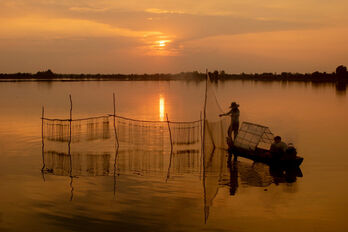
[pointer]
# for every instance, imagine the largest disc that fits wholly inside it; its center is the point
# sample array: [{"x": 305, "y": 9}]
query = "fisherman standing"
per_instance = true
[{"x": 234, "y": 126}]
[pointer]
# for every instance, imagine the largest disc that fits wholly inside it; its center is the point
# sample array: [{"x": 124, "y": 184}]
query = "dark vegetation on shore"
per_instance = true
[{"x": 341, "y": 75}]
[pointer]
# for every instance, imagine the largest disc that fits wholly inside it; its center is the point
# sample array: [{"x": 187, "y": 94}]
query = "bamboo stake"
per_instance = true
[
  {"x": 171, "y": 149},
  {"x": 69, "y": 151},
  {"x": 71, "y": 105},
  {"x": 114, "y": 116},
  {"x": 204, "y": 118},
  {"x": 116, "y": 143},
  {"x": 113, "y": 94},
  {"x": 43, "y": 143}
]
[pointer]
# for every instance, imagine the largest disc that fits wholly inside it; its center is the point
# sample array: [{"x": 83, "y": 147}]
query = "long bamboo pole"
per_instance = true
[
  {"x": 116, "y": 143},
  {"x": 69, "y": 151},
  {"x": 206, "y": 212},
  {"x": 171, "y": 148},
  {"x": 43, "y": 143},
  {"x": 114, "y": 116}
]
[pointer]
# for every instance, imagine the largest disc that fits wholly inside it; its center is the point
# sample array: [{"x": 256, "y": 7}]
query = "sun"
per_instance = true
[{"x": 161, "y": 44}]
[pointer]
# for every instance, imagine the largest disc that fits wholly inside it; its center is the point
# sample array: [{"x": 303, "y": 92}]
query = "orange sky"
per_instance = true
[{"x": 137, "y": 36}]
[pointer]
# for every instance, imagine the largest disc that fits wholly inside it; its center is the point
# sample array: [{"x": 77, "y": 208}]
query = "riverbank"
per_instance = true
[{"x": 183, "y": 76}]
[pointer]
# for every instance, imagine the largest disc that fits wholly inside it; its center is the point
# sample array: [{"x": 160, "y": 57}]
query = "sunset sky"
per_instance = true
[{"x": 171, "y": 36}]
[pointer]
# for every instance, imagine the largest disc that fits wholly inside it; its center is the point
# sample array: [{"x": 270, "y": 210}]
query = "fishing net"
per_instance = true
[
  {"x": 214, "y": 172},
  {"x": 157, "y": 135},
  {"x": 254, "y": 174},
  {"x": 252, "y": 136},
  {"x": 216, "y": 127},
  {"x": 76, "y": 164},
  {"x": 186, "y": 162},
  {"x": 142, "y": 135},
  {"x": 159, "y": 148},
  {"x": 137, "y": 147},
  {"x": 214, "y": 146},
  {"x": 186, "y": 133},
  {"x": 81, "y": 129},
  {"x": 142, "y": 162},
  {"x": 131, "y": 133}
]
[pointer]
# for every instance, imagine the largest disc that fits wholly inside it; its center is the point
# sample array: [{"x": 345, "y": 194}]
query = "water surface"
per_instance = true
[{"x": 141, "y": 197}]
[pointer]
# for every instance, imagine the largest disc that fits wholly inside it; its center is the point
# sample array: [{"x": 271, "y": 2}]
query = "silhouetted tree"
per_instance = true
[
  {"x": 341, "y": 72},
  {"x": 45, "y": 74}
]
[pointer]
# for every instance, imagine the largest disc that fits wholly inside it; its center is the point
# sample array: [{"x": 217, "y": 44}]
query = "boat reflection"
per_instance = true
[
  {"x": 258, "y": 174},
  {"x": 221, "y": 171}
]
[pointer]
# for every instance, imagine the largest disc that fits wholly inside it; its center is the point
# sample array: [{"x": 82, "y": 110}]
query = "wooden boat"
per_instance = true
[
  {"x": 264, "y": 156},
  {"x": 253, "y": 142}
]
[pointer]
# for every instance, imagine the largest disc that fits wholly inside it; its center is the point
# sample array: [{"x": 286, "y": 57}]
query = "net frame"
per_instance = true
[{"x": 252, "y": 136}]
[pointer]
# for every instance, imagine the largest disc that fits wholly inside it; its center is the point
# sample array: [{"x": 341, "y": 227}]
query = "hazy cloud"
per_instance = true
[{"x": 172, "y": 35}]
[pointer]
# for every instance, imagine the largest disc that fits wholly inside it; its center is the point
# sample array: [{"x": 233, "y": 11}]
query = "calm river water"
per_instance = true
[{"x": 141, "y": 196}]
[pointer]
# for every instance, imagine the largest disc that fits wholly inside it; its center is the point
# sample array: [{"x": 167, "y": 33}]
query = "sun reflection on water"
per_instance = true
[{"x": 161, "y": 108}]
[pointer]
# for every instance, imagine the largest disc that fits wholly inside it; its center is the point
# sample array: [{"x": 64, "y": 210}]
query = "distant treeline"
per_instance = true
[{"x": 341, "y": 75}]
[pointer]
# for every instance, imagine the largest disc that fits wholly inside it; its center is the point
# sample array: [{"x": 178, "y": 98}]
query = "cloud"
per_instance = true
[
  {"x": 107, "y": 35},
  {"x": 161, "y": 11},
  {"x": 87, "y": 9},
  {"x": 42, "y": 27}
]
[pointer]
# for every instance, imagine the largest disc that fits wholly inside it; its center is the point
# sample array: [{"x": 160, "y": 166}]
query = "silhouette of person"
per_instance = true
[
  {"x": 234, "y": 126},
  {"x": 278, "y": 148}
]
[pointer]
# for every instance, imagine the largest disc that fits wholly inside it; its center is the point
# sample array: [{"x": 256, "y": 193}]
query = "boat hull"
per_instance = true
[{"x": 264, "y": 156}]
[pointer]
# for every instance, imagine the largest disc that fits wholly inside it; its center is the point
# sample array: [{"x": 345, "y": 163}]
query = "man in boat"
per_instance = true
[
  {"x": 278, "y": 148},
  {"x": 234, "y": 126}
]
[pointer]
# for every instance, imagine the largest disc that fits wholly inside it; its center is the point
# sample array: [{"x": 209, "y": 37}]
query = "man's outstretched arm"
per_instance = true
[{"x": 228, "y": 113}]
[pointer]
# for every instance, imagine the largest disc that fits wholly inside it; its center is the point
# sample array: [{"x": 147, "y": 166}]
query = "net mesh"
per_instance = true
[
  {"x": 214, "y": 146},
  {"x": 216, "y": 127},
  {"x": 76, "y": 164},
  {"x": 81, "y": 130},
  {"x": 143, "y": 147},
  {"x": 215, "y": 170},
  {"x": 252, "y": 136},
  {"x": 137, "y": 134},
  {"x": 145, "y": 135}
]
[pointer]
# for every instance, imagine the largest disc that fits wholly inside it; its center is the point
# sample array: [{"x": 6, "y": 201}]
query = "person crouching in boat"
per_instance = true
[
  {"x": 234, "y": 126},
  {"x": 278, "y": 148}
]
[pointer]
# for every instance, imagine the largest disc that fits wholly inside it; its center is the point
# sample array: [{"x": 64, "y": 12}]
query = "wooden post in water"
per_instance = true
[
  {"x": 171, "y": 149},
  {"x": 113, "y": 94},
  {"x": 70, "y": 123},
  {"x": 43, "y": 142},
  {"x": 114, "y": 115},
  {"x": 206, "y": 212},
  {"x": 70, "y": 107},
  {"x": 116, "y": 142},
  {"x": 69, "y": 151}
]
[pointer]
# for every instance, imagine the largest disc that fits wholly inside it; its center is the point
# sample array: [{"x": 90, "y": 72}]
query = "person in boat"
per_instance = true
[
  {"x": 234, "y": 126},
  {"x": 291, "y": 152},
  {"x": 278, "y": 148}
]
